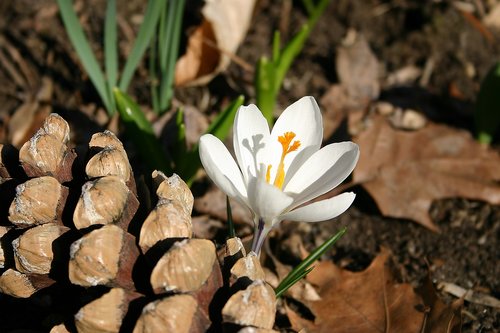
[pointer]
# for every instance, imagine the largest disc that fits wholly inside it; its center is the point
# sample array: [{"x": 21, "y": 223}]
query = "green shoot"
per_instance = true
[
  {"x": 168, "y": 44},
  {"x": 141, "y": 132},
  {"x": 146, "y": 32},
  {"x": 304, "y": 267},
  {"x": 84, "y": 51},
  {"x": 269, "y": 75},
  {"x": 487, "y": 113},
  {"x": 110, "y": 49},
  {"x": 105, "y": 84}
]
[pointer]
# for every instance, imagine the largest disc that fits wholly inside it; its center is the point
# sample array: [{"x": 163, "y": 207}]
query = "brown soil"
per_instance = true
[{"x": 400, "y": 32}]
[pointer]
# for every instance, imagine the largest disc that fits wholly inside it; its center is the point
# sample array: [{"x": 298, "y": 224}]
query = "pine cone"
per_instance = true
[{"x": 78, "y": 248}]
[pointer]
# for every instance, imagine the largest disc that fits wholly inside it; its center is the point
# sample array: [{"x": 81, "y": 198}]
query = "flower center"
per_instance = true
[{"x": 288, "y": 147}]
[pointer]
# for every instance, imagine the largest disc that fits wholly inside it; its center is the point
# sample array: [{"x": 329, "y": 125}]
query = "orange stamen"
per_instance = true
[{"x": 288, "y": 146}]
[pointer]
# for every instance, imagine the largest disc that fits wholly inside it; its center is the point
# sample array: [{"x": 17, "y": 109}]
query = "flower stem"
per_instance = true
[{"x": 259, "y": 236}]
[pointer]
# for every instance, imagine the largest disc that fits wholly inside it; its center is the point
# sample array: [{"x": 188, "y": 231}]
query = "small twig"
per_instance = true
[
  {"x": 427, "y": 73},
  {"x": 29, "y": 74},
  {"x": 478, "y": 26},
  {"x": 11, "y": 69}
]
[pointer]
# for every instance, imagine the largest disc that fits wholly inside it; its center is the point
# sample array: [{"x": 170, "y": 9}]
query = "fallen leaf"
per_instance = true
[
  {"x": 30, "y": 115},
  {"x": 405, "y": 171},
  {"x": 357, "y": 68},
  {"x": 368, "y": 301},
  {"x": 213, "y": 203},
  {"x": 440, "y": 317},
  {"x": 224, "y": 26}
]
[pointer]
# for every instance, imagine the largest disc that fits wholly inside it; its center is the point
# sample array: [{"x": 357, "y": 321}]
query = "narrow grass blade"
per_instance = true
[
  {"x": 111, "y": 44},
  {"x": 146, "y": 32},
  {"x": 276, "y": 46},
  {"x": 288, "y": 55},
  {"x": 290, "y": 283},
  {"x": 171, "y": 51},
  {"x": 84, "y": 51},
  {"x": 110, "y": 49},
  {"x": 265, "y": 88},
  {"x": 141, "y": 132},
  {"x": 303, "y": 269}
]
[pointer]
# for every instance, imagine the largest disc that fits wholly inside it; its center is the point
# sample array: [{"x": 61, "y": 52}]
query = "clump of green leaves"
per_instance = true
[
  {"x": 270, "y": 73},
  {"x": 487, "y": 113},
  {"x": 160, "y": 31}
]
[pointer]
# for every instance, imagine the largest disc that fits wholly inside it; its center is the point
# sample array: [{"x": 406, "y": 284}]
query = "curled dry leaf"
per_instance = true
[
  {"x": 368, "y": 301},
  {"x": 405, "y": 171},
  {"x": 357, "y": 68},
  {"x": 224, "y": 26}
]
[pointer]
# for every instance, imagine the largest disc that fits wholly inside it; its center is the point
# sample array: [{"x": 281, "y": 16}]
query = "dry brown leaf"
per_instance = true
[
  {"x": 222, "y": 30},
  {"x": 213, "y": 203},
  {"x": 368, "y": 301},
  {"x": 357, "y": 68},
  {"x": 440, "y": 317},
  {"x": 31, "y": 114},
  {"x": 405, "y": 171}
]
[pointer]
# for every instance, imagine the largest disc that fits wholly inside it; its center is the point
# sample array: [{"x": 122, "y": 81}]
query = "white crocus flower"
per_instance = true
[{"x": 278, "y": 171}]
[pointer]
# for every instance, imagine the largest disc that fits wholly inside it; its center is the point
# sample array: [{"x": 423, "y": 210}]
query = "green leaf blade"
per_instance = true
[
  {"x": 141, "y": 132},
  {"x": 84, "y": 51},
  {"x": 146, "y": 32},
  {"x": 303, "y": 268},
  {"x": 111, "y": 44}
]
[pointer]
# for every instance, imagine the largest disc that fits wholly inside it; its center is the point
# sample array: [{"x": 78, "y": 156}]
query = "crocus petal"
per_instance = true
[
  {"x": 304, "y": 119},
  {"x": 265, "y": 200},
  {"x": 221, "y": 167},
  {"x": 323, "y": 171},
  {"x": 321, "y": 210},
  {"x": 251, "y": 132}
]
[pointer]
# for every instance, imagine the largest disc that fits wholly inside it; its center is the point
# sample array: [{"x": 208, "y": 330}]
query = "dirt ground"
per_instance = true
[{"x": 400, "y": 33}]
